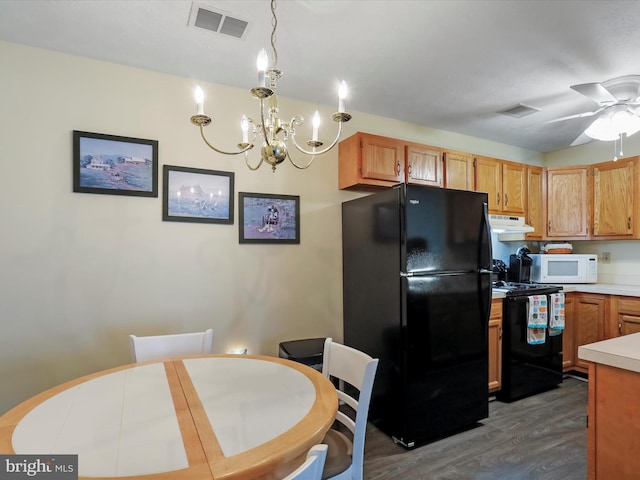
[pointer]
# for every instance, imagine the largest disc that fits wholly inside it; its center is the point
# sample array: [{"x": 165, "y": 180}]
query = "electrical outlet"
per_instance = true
[{"x": 606, "y": 257}]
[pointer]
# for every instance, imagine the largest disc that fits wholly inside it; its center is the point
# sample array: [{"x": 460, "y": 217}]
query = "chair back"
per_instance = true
[
  {"x": 358, "y": 370},
  {"x": 160, "y": 347},
  {"x": 311, "y": 469}
]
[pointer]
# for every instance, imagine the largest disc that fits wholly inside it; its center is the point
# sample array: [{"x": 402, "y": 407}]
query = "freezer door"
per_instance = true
[
  {"x": 446, "y": 360},
  {"x": 446, "y": 230}
]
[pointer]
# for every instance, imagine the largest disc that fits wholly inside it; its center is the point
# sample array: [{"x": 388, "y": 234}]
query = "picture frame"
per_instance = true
[
  {"x": 114, "y": 165},
  {"x": 269, "y": 218},
  {"x": 197, "y": 195}
]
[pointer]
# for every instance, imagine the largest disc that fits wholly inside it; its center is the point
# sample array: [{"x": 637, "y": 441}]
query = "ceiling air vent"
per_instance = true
[
  {"x": 520, "y": 110},
  {"x": 217, "y": 21}
]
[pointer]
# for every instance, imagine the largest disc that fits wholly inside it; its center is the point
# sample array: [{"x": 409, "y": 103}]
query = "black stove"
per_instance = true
[{"x": 513, "y": 289}]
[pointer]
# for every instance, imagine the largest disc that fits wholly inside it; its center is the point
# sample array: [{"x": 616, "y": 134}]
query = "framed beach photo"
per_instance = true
[
  {"x": 266, "y": 218},
  {"x": 197, "y": 195},
  {"x": 114, "y": 165}
]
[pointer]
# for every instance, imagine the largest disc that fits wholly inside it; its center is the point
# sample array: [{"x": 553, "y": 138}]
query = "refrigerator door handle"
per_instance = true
[{"x": 485, "y": 242}]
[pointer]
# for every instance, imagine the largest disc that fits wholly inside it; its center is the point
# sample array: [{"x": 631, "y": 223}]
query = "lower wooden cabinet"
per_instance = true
[
  {"x": 495, "y": 346},
  {"x": 625, "y": 316},
  {"x": 590, "y": 314},
  {"x": 613, "y": 423}
]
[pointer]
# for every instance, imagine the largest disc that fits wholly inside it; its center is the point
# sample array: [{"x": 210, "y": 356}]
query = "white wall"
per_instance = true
[{"x": 82, "y": 271}]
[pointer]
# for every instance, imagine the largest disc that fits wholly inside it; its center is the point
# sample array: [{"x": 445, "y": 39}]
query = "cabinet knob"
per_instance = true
[
  {"x": 629, "y": 223},
  {"x": 506, "y": 199},
  {"x": 409, "y": 170},
  {"x": 498, "y": 198},
  {"x": 619, "y": 328},
  {"x": 398, "y": 166}
]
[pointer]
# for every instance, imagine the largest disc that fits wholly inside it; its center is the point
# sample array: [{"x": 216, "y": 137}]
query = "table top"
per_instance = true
[{"x": 214, "y": 416}]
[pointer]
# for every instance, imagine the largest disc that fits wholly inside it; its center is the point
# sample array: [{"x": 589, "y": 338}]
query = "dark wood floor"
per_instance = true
[{"x": 543, "y": 437}]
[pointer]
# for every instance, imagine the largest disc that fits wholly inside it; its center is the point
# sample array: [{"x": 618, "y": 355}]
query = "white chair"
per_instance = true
[
  {"x": 311, "y": 469},
  {"x": 345, "y": 455},
  {"x": 160, "y": 347}
]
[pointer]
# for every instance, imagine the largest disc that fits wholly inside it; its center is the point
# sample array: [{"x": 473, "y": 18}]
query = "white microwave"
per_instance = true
[{"x": 560, "y": 268}]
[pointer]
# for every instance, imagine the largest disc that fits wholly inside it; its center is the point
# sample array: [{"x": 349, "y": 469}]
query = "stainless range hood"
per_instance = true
[{"x": 509, "y": 227}]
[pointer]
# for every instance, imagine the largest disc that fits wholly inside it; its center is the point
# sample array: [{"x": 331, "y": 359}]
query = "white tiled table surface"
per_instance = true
[{"x": 124, "y": 423}]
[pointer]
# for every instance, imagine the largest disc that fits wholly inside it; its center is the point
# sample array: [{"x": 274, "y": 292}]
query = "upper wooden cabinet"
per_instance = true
[
  {"x": 534, "y": 215},
  {"x": 366, "y": 160},
  {"x": 458, "y": 170},
  {"x": 567, "y": 203},
  {"x": 423, "y": 165},
  {"x": 615, "y": 195},
  {"x": 594, "y": 202},
  {"x": 504, "y": 182}
]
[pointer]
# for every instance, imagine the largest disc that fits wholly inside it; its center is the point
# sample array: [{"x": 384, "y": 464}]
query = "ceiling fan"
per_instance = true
[{"x": 618, "y": 114}]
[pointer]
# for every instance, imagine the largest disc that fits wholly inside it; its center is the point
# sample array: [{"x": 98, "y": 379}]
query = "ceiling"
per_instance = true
[{"x": 446, "y": 64}]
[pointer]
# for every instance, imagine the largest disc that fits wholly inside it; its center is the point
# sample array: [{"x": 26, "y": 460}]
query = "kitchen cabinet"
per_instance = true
[
  {"x": 534, "y": 215},
  {"x": 569, "y": 348},
  {"x": 495, "y": 346},
  {"x": 458, "y": 170},
  {"x": 613, "y": 419},
  {"x": 567, "y": 203},
  {"x": 589, "y": 319},
  {"x": 368, "y": 161},
  {"x": 613, "y": 199},
  {"x": 423, "y": 165},
  {"x": 625, "y": 316},
  {"x": 504, "y": 182}
]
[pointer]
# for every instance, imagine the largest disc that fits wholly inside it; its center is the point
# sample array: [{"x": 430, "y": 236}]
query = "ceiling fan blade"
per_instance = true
[
  {"x": 596, "y": 92},
  {"x": 583, "y": 138},
  {"x": 578, "y": 115}
]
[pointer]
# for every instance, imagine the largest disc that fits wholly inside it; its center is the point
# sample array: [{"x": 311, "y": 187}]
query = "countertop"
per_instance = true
[
  {"x": 620, "y": 352},
  {"x": 602, "y": 288}
]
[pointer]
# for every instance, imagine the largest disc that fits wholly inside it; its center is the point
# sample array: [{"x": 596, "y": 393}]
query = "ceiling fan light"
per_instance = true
[{"x": 601, "y": 129}]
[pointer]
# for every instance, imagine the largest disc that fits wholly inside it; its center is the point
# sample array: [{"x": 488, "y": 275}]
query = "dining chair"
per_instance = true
[
  {"x": 159, "y": 347},
  {"x": 354, "y": 368},
  {"x": 311, "y": 469}
]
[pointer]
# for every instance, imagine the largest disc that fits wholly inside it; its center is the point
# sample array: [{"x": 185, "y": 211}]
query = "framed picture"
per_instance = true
[
  {"x": 266, "y": 218},
  {"x": 197, "y": 195},
  {"x": 114, "y": 165}
]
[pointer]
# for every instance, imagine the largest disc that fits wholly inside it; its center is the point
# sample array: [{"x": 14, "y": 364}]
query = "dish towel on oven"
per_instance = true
[
  {"x": 536, "y": 319},
  {"x": 556, "y": 319}
]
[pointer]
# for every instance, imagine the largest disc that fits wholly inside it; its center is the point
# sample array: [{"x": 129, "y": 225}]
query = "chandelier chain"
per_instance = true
[{"x": 274, "y": 24}]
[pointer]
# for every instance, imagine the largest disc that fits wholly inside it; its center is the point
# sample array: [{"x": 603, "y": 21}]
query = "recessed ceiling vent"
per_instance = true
[
  {"x": 217, "y": 21},
  {"x": 520, "y": 110}
]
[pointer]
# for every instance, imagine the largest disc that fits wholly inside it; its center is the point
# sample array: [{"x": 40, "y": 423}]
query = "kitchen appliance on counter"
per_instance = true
[
  {"x": 564, "y": 268},
  {"x": 417, "y": 295},
  {"x": 499, "y": 269},
  {"x": 526, "y": 369},
  {"x": 520, "y": 266}
]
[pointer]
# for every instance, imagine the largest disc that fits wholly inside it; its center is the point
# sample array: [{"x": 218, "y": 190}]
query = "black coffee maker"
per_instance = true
[{"x": 520, "y": 266}]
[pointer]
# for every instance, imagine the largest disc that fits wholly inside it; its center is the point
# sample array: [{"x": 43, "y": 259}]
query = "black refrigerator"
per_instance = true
[{"x": 417, "y": 295}]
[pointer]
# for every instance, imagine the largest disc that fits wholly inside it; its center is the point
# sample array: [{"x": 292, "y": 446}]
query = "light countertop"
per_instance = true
[
  {"x": 620, "y": 352},
  {"x": 602, "y": 288}
]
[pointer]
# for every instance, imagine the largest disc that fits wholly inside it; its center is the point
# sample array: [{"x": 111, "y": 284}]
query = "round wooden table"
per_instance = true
[{"x": 205, "y": 417}]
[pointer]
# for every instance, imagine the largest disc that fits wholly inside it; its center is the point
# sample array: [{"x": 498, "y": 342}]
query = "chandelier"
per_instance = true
[{"x": 276, "y": 134}]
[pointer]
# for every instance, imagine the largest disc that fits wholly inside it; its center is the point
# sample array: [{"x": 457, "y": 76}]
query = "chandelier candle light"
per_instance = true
[{"x": 275, "y": 133}]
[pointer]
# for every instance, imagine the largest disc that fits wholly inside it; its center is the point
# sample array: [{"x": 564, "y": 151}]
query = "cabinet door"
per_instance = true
[
  {"x": 567, "y": 203},
  {"x": 488, "y": 178},
  {"x": 458, "y": 170},
  {"x": 423, "y": 166},
  {"x": 625, "y": 316},
  {"x": 382, "y": 158},
  {"x": 514, "y": 187},
  {"x": 591, "y": 313},
  {"x": 495, "y": 346},
  {"x": 613, "y": 199},
  {"x": 568, "y": 341},
  {"x": 534, "y": 211}
]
